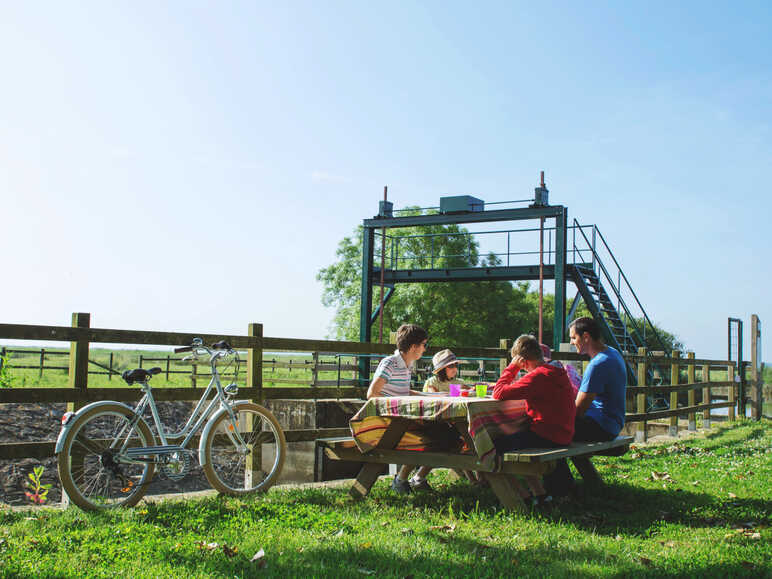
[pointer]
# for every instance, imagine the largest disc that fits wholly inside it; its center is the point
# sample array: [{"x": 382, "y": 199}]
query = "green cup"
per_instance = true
[{"x": 482, "y": 390}]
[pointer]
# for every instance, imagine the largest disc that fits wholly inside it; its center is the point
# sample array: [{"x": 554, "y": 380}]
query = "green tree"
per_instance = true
[{"x": 454, "y": 313}]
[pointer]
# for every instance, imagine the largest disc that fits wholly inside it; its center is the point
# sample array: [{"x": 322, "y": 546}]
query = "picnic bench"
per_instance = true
[{"x": 497, "y": 473}]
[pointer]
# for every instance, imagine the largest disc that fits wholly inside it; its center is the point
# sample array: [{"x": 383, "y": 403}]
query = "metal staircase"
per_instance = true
[{"x": 610, "y": 297}]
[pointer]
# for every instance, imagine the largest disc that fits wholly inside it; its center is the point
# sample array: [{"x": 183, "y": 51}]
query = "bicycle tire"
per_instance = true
[
  {"x": 102, "y": 484},
  {"x": 227, "y": 469}
]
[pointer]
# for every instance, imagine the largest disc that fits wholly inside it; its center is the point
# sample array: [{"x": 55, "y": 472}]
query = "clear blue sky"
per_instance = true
[{"x": 144, "y": 145}]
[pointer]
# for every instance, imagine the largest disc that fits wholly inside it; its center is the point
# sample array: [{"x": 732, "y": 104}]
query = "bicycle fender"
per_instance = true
[
  {"x": 208, "y": 427},
  {"x": 66, "y": 428}
]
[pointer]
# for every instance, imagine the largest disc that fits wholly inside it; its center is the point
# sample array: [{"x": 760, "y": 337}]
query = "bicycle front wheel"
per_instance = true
[
  {"x": 235, "y": 469},
  {"x": 92, "y": 464}
]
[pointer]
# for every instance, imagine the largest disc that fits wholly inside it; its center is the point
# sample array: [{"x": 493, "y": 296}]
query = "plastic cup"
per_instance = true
[
  {"x": 482, "y": 390},
  {"x": 455, "y": 389}
]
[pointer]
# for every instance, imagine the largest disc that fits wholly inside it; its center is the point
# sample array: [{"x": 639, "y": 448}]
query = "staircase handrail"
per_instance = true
[{"x": 614, "y": 287}]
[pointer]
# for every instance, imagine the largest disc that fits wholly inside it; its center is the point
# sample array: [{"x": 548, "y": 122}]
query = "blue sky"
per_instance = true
[{"x": 190, "y": 166}]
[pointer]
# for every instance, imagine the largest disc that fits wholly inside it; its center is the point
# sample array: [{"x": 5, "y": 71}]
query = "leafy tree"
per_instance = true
[{"x": 454, "y": 313}]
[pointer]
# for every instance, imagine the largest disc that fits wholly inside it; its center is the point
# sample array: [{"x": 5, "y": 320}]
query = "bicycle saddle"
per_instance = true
[
  {"x": 139, "y": 375},
  {"x": 221, "y": 345}
]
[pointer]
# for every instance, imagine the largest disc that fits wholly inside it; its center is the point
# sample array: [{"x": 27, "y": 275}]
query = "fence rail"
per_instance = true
[{"x": 80, "y": 336}]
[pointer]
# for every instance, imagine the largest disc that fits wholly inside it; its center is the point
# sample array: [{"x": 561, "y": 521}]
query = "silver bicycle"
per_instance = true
[{"x": 107, "y": 453}]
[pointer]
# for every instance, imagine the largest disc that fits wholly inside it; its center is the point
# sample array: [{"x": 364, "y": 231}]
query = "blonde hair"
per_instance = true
[{"x": 528, "y": 347}]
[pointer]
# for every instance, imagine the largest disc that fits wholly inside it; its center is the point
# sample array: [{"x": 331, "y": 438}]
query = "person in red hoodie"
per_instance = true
[{"x": 550, "y": 403}]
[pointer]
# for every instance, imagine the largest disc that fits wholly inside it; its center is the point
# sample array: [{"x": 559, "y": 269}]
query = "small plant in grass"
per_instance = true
[
  {"x": 5, "y": 372},
  {"x": 38, "y": 492}
]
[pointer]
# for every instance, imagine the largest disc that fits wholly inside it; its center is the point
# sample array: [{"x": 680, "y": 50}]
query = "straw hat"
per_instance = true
[{"x": 443, "y": 359}]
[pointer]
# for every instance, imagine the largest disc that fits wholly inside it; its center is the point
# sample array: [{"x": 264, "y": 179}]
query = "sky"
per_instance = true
[{"x": 191, "y": 166}]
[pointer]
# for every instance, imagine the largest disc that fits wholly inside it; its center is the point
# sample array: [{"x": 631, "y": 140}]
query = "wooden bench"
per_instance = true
[{"x": 534, "y": 461}]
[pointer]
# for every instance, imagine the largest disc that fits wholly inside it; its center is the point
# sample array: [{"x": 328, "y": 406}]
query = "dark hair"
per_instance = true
[
  {"x": 528, "y": 347},
  {"x": 443, "y": 375},
  {"x": 589, "y": 325},
  {"x": 409, "y": 335}
]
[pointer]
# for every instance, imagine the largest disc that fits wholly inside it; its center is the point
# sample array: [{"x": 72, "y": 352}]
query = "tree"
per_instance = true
[{"x": 454, "y": 313}]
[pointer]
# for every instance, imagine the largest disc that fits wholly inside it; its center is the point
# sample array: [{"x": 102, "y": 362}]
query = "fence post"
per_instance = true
[
  {"x": 255, "y": 362},
  {"x": 757, "y": 387},
  {"x": 167, "y": 366},
  {"x": 674, "y": 370},
  {"x": 110, "y": 373},
  {"x": 315, "y": 368},
  {"x": 692, "y": 397},
  {"x": 42, "y": 361},
  {"x": 504, "y": 344},
  {"x": 706, "y": 395},
  {"x": 77, "y": 374},
  {"x": 732, "y": 386},
  {"x": 640, "y": 428}
]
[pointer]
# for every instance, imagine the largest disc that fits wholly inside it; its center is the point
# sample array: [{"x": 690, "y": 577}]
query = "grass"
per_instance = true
[{"x": 699, "y": 507}]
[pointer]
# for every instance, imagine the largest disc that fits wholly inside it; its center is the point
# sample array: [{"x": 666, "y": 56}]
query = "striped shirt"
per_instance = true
[{"x": 396, "y": 373}]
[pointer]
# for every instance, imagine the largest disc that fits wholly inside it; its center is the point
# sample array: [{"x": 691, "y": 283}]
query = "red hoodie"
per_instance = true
[{"x": 550, "y": 399}]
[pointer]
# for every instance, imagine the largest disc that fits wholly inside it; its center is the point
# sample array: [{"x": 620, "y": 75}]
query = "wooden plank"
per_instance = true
[
  {"x": 575, "y": 449},
  {"x": 668, "y": 413},
  {"x": 679, "y": 388},
  {"x": 501, "y": 485},
  {"x": 53, "y": 395}
]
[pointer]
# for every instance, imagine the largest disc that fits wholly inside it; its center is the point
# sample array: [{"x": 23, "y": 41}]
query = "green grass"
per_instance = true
[{"x": 704, "y": 513}]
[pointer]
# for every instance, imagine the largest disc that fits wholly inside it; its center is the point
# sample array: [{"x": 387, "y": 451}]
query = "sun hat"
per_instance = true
[{"x": 443, "y": 359}]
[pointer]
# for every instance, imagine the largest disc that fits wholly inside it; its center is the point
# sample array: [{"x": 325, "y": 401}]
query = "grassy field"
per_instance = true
[{"x": 700, "y": 507}]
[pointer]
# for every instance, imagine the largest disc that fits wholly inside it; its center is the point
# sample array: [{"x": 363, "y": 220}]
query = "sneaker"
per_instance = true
[
  {"x": 401, "y": 487},
  {"x": 420, "y": 485}
]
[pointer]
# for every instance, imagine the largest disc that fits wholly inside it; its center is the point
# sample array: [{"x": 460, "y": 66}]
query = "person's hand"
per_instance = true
[{"x": 518, "y": 363}]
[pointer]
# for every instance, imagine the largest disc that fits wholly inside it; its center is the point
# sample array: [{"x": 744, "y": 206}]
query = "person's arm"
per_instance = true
[
  {"x": 375, "y": 387},
  {"x": 508, "y": 375},
  {"x": 583, "y": 401},
  {"x": 518, "y": 390}
]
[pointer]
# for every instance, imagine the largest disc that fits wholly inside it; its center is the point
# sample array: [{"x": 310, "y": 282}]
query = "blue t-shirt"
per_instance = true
[{"x": 606, "y": 377}]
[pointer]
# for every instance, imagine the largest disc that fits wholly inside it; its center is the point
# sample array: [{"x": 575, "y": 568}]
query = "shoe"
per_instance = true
[
  {"x": 401, "y": 487},
  {"x": 420, "y": 485}
]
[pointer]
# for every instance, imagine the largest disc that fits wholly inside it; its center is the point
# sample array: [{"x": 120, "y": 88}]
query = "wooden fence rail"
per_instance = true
[{"x": 81, "y": 335}]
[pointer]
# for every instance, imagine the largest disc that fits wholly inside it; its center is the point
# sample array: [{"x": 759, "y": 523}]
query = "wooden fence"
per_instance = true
[{"x": 81, "y": 335}]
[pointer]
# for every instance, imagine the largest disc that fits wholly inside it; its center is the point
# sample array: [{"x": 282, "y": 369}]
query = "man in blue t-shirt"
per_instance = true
[{"x": 600, "y": 403}]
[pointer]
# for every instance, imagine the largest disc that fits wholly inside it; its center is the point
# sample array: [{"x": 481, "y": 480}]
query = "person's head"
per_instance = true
[
  {"x": 445, "y": 365},
  {"x": 585, "y": 335},
  {"x": 527, "y": 349},
  {"x": 411, "y": 339}
]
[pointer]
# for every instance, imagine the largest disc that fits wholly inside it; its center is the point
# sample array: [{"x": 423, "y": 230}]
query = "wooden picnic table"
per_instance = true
[{"x": 386, "y": 430}]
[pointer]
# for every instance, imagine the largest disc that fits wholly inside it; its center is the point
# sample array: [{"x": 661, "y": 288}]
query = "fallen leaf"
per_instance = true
[
  {"x": 732, "y": 496},
  {"x": 366, "y": 545},
  {"x": 366, "y": 571},
  {"x": 446, "y": 528},
  {"x": 339, "y": 533},
  {"x": 384, "y": 523},
  {"x": 407, "y": 531},
  {"x": 618, "y": 538},
  {"x": 646, "y": 561},
  {"x": 230, "y": 552},
  {"x": 695, "y": 483}
]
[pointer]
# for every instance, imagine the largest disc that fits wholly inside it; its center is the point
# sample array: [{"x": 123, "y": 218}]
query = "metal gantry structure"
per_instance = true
[{"x": 584, "y": 259}]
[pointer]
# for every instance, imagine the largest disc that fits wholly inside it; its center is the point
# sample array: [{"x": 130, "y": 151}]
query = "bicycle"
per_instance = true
[{"x": 107, "y": 453}]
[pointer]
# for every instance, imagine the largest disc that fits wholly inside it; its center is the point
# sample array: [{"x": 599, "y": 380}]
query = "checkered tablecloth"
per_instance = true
[{"x": 487, "y": 420}]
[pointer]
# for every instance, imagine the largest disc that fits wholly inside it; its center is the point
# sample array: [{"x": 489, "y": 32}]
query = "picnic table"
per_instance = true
[{"x": 388, "y": 431}]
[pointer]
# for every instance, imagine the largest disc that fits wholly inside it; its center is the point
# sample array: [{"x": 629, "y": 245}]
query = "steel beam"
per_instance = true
[{"x": 480, "y": 217}]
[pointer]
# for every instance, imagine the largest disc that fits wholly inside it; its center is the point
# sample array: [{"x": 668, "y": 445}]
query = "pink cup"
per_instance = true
[{"x": 455, "y": 389}]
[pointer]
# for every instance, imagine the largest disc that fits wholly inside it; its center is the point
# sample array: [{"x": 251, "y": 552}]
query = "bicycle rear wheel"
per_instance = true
[
  {"x": 256, "y": 466},
  {"x": 90, "y": 464}
]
